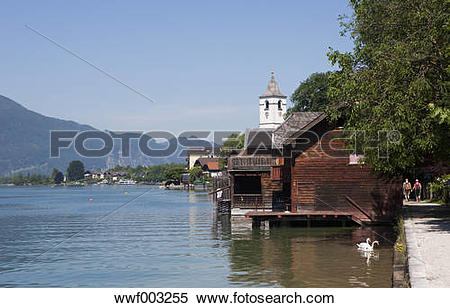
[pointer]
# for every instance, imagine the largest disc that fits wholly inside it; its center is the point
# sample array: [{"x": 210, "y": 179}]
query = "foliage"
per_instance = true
[
  {"x": 440, "y": 189},
  {"x": 157, "y": 173},
  {"x": 195, "y": 173},
  {"x": 396, "y": 78},
  {"x": 311, "y": 94},
  {"x": 233, "y": 143},
  {"x": 164, "y": 172},
  {"x": 58, "y": 178},
  {"x": 174, "y": 172},
  {"x": 75, "y": 171},
  {"x": 29, "y": 179},
  {"x": 54, "y": 172},
  {"x": 222, "y": 162},
  {"x": 400, "y": 244}
]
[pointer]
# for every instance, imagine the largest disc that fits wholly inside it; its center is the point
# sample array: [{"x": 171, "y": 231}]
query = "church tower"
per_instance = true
[{"x": 272, "y": 106}]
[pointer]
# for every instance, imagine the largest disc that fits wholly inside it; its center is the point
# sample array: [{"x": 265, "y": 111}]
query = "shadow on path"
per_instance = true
[{"x": 435, "y": 217}]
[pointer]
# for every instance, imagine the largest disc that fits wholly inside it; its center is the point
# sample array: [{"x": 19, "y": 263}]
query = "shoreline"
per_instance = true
[{"x": 400, "y": 276}]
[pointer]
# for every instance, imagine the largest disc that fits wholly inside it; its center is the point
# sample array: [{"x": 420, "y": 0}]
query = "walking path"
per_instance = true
[{"x": 427, "y": 229}]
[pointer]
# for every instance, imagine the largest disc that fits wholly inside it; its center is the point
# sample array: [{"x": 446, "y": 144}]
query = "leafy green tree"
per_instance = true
[
  {"x": 163, "y": 172},
  {"x": 396, "y": 78},
  {"x": 75, "y": 171},
  {"x": 54, "y": 172},
  {"x": 173, "y": 172},
  {"x": 154, "y": 173},
  {"x": 139, "y": 171},
  {"x": 58, "y": 178},
  {"x": 29, "y": 179},
  {"x": 311, "y": 94},
  {"x": 19, "y": 179},
  {"x": 233, "y": 143},
  {"x": 195, "y": 173}
]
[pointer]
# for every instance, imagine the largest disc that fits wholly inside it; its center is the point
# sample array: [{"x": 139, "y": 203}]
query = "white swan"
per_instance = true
[
  {"x": 366, "y": 246},
  {"x": 363, "y": 245}
]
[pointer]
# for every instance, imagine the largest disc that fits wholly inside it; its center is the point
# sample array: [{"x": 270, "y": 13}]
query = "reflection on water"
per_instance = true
[
  {"x": 170, "y": 239},
  {"x": 314, "y": 257},
  {"x": 368, "y": 255}
]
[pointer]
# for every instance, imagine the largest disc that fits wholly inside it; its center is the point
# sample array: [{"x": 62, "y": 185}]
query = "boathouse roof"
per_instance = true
[
  {"x": 261, "y": 139},
  {"x": 258, "y": 138},
  {"x": 295, "y": 125}
]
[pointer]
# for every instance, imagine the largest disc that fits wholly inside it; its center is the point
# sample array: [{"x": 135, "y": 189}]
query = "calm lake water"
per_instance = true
[{"x": 161, "y": 238}]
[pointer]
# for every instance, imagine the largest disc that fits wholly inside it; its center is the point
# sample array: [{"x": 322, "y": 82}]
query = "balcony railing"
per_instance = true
[
  {"x": 222, "y": 187},
  {"x": 248, "y": 201},
  {"x": 256, "y": 162}
]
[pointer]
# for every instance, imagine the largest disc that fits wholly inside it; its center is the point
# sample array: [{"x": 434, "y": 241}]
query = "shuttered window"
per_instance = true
[{"x": 275, "y": 173}]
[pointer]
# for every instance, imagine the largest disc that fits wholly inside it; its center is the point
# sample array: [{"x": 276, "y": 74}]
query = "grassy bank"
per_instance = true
[{"x": 400, "y": 277}]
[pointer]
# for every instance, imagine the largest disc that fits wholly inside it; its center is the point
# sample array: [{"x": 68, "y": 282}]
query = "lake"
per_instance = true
[{"x": 143, "y": 236}]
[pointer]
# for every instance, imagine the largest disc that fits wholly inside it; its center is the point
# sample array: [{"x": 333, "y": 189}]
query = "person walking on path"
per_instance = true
[
  {"x": 417, "y": 190},
  {"x": 406, "y": 189}
]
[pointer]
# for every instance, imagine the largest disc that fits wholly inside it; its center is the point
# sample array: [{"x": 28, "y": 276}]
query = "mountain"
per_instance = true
[
  {"x": 137, "y": 158},
  {"x": 25, "y": 141},
  {"x": 25, "y": 144}
]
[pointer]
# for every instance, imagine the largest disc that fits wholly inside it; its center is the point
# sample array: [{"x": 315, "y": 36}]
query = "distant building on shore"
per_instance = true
[
  {"x": 209, "y": 165},
  {"x": 194, "y": 153}
]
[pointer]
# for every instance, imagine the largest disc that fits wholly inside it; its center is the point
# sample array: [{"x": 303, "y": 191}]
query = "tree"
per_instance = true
[
  {"x": 233, "y": 143},
  {"x": 311, "y": 94},
  {"x": 75, "y": 171},
  {"x": 195, "y": 173},
  {"x": 54, "y": 172},
  {"x": 154, "y": 173},
  {"x": 174, "y": 172},
  {"x": 170, "y": 171},
  {"x": 396, "y": 78},
  {"x": 19, "y": 179},
  {"x": 58, "y": 178}
]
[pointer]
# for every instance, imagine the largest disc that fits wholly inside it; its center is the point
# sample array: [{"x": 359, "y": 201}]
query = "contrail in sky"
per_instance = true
[{"x": 89, "y": 63}]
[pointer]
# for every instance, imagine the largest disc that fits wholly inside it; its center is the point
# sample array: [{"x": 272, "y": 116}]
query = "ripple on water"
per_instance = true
[{"x": 168, "y": 239}]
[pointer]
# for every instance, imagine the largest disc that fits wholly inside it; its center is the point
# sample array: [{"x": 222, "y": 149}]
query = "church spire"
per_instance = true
[
  {"x": 272, "y": 105},
  {"x": 272, "y": 88}
]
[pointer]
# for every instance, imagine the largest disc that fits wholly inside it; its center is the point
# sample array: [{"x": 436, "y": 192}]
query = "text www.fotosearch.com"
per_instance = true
[{"x": 235, "y": 298}]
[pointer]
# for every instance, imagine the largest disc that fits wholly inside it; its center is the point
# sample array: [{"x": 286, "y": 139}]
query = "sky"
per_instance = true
[{"x": 203, "y": 63}]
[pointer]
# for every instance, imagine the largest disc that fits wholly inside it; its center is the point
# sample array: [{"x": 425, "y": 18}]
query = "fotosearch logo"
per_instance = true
[
  {"x": 105, "y": 141},
  {"x": 95, "y": 144}
]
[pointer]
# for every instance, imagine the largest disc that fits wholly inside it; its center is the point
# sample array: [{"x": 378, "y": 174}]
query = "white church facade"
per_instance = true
[{"x": 272, "y": 106}]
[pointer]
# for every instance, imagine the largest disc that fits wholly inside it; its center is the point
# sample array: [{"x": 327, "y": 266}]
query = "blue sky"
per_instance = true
[{"x": 203, "y": 62}]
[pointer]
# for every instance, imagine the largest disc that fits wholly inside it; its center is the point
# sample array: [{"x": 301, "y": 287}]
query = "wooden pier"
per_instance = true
[{"x": 345, "y": 218}]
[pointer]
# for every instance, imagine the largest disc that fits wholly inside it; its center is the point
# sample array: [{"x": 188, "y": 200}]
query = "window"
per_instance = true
[
  {"x": 275, "y": 172},
  {"x": 247, "y": 185},
  {"x": 354, "y": 159},
  {"x": 279, "y": 105},
  {"x": 267, "y": 105}
]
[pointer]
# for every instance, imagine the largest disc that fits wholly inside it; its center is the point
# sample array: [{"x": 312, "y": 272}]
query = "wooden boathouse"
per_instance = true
[
  {"x": 301, "y": 172},
  {"x": 298, "y": 170}
]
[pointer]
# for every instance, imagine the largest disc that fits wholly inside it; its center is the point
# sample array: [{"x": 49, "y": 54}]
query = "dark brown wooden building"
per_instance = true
[{"x": 301, "y": 171}]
